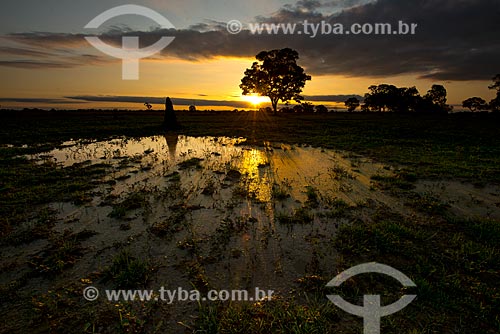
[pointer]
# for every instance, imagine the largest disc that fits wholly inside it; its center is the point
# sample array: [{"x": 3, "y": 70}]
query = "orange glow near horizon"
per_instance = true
[
  {"x": 255, "y": 99},
  {"x": 215, "y": 79}
]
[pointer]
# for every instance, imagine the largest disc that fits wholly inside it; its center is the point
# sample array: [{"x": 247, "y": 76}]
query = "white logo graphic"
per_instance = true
[
  {"x": 234, "y": 27},
  {"x": 90, "y": 293},
  {"x": 371, "y": 311},
  {"x": 130, "y": 52}
]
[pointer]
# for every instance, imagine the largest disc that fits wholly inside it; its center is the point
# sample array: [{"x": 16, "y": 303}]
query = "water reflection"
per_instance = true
[
  {"x": 253, "y": 164},
  {"x": 258, "y": 204},
  {"x": 150, "y": 159},
  {"x": 172, "y": 139}
]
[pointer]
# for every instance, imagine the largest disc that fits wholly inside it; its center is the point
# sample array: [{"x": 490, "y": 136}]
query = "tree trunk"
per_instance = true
[{"x": 275, "y": 106}]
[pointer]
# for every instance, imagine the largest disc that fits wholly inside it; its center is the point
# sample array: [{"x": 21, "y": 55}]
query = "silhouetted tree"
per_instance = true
[
  {"x": 495, "y": 103},
  {"x": 169, "y": 120},
  {"x": 307, "y": 107},
  {"x": 298, "y": 108},
  {"x": 192, "y": 108},
  {"x": 496, "y": 83},
  {"x": 365, "y": 107},
  {"x": 352, "y": 104},
  {"x": 387, "y": 97},
  {"x": 475, "y": 103},
  {"x": 435, "y": 99},
  {"x": 277, "y": 76},
  {"x": 382, "y": 97},
  {"x": 321, "y": 109},
  {"x": 148, "y": 106},
  {"x": 408, "y": 99}
]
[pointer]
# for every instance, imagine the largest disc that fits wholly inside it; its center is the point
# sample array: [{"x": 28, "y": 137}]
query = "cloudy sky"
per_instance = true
[{"x": 46, "y": 62}]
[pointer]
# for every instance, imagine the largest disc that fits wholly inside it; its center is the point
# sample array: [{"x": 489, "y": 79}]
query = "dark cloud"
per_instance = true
[
  {"x": 197, "y": 102},
  {"x": 49, "y": 50},
  {"x": 38, "y": 100},
  {"x": 316, "y": 6},
  {"x": 48, "y": 39},
  {"x": 13, "y": 51},
  {"x": 455, "y": 40},
  {"x": 33, "y": 64},
  {"x": 208, "y": 25},
  {"x": 160, "y": 100},
  {"x": 304, "y": 6},
  {"x": 345, "y": 4}
]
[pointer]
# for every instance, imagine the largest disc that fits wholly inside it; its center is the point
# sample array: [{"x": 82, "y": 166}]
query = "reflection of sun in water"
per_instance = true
[
  {"x": 256, "y": 100},
  {"x": 253, "y": 161}
]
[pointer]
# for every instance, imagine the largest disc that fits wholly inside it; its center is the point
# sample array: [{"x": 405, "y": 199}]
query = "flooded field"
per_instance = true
[
  {"x": 256, "y": 216},
  {"x": 216, "y": 213}
]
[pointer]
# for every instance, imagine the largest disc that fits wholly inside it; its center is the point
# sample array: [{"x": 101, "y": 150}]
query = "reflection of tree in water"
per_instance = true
[{"x": 172, "y": 140}]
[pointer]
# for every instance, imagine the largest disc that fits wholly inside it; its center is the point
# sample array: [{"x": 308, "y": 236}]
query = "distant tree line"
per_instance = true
[
  {"x": 385, "y": 97},
  {"x": 389, "y": 98},
  {"x": 479, "y": 104}
]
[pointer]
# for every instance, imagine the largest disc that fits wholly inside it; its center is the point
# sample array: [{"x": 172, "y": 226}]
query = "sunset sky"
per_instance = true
[{"x": 46, "y": 62}]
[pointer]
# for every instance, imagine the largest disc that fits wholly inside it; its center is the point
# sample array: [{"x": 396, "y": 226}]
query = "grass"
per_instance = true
[
  {"x": 26, "y": 184},
  {"x": 336, "y": 208},
  {"x": 38, "y": 227},
  {"x": 454, "y": 261},
  {"x": 227, "y": 229},
  {"x": 281, "y": 191},
  {"x": 62, "y": 252},
  {"x": 453, "y": 265},
  {"x": 174, "y": 176},
  {"x": 210, "y": 187},
  {"x": 133, "y": 201},
  {"x": 427, "y": 203},
  {"x": 299, "y": 216},
  {"x": 312, "y": 197},
  {"x": 127, "y": 271},
  {"x": 174, "y": 223},
  {"x": 393, "y": 183},
  {"x": 269, "y": 316},
  {"x": 197, "y": 276},
  {"x": 192, "y": 163},
  {"x": 338, "y": 173}
]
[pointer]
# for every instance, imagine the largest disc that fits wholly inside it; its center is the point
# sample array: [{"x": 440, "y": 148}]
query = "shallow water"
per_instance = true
[
  {"x": 259, "y": 215},
  {"x": 272, "y": 205},
  {"x": 325, "y": 170},
  {"x": 239, "y": 216}
]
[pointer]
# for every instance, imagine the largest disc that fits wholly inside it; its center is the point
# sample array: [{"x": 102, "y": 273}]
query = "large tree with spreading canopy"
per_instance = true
[{"x": 277, "y": 76}]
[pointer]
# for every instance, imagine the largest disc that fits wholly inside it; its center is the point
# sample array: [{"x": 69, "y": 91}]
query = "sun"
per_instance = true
[{"x": 254, "y": 99}]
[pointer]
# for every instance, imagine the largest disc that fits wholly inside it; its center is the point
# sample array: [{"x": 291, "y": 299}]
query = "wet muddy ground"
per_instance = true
[{"x": 214, "y": 212}]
